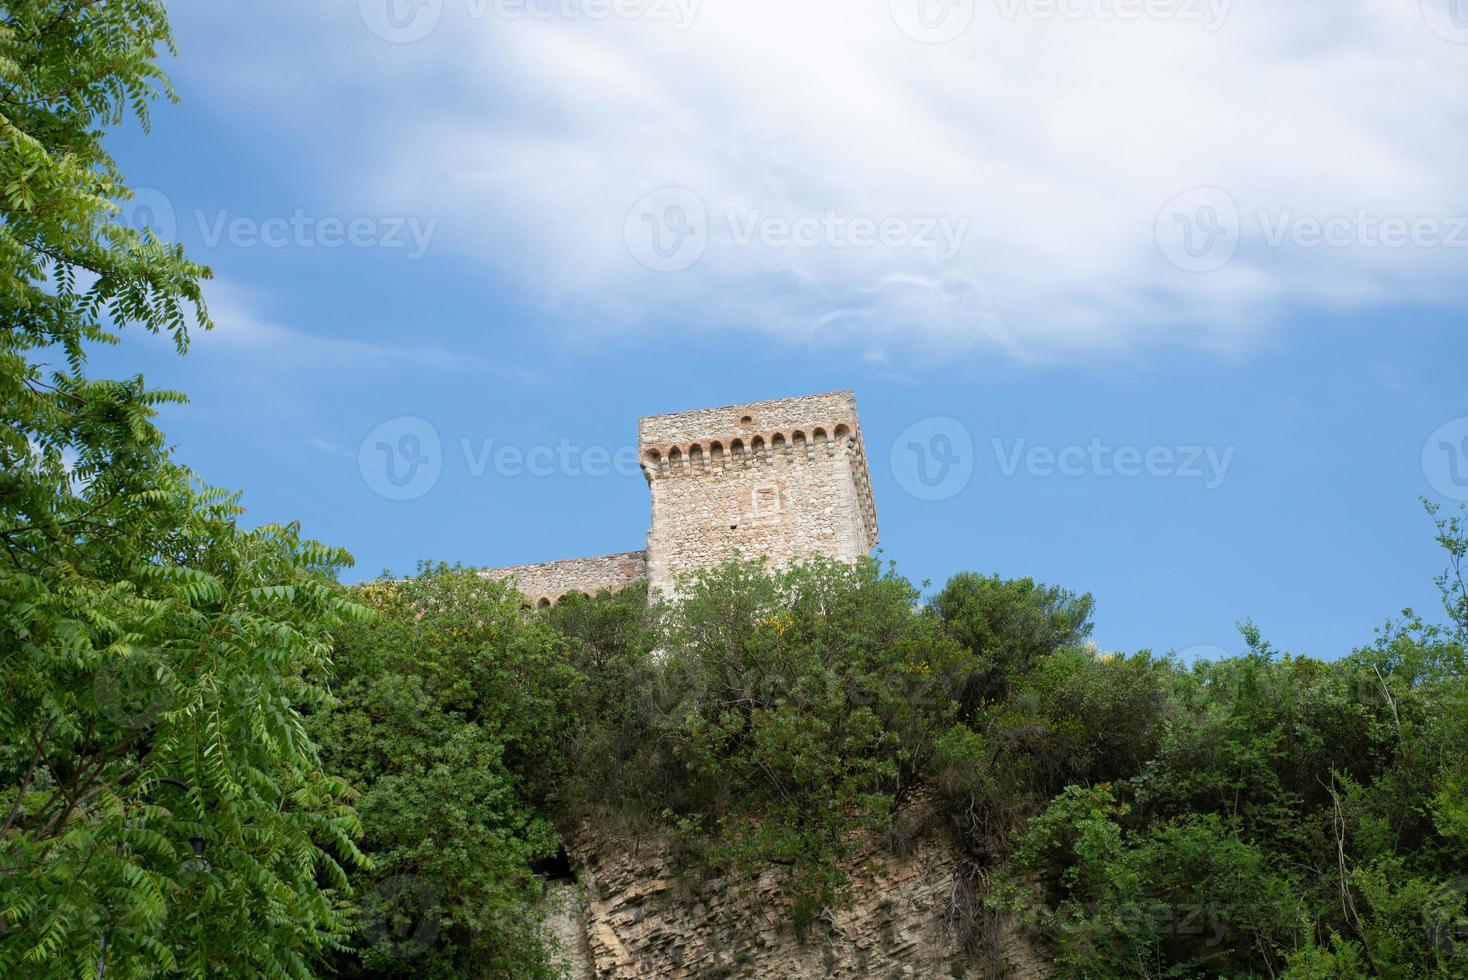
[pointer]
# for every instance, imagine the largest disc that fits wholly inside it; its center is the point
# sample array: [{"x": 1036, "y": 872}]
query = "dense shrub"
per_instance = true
[
  {"x": 449, "y": 710},
  {"x": 1009, "y": 626},
  {"x": 1314, "y": 811},
  {"x": 780, "y": 712},
  {"x": 1076, "y": 717},
  {"x": 1264, "y": 815}
]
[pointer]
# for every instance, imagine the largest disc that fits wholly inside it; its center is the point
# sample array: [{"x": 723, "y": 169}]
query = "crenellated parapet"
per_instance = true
[
  {"x": 746, "y": 419},
  {"x": 764, "y": 448}
]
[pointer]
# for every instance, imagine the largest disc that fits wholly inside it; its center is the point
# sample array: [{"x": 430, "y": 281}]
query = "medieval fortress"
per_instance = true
[{"x": 786, "y": 479}]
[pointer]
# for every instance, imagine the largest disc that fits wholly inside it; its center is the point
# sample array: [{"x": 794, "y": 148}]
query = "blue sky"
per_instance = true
[{"x": 1221, "y": 239}]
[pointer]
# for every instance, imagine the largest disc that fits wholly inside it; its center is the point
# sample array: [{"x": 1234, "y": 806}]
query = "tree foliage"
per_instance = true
[
  {"x": 449, "y": 710},
  {"x": 1010, "y": 626},
  {"x": 68, "y": 269},
  {"x": 766, "y": 715},
  {"x": 1297, "y": 818},
  {"x": 164, "y": 810}
]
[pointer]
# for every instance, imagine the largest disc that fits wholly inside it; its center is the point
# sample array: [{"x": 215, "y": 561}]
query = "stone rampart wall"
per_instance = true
[{"x": 548, "y": 581}]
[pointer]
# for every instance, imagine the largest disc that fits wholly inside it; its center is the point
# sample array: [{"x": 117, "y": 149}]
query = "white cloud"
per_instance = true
[
  {"x": 242, "y": 331},
  {"x": 1058, "y": 140}
]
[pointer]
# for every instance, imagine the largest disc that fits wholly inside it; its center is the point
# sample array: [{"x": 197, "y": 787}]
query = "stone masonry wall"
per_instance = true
[
  {"x": 906, "y": 918},
  {"x": 785, "y": 479},
  {"x": 728, "y": 421},
  {"x": 546, "y": 582},
  {"x": 786, "y": 504}
]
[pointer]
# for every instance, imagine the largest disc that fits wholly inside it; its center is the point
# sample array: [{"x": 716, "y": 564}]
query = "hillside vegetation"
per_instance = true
[{"x": 1266, "y": 815}]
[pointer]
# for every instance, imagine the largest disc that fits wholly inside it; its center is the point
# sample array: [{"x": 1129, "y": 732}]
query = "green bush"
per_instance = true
[
  {"x": 449, "y": 713},
  {"x": 780, "y": 712},
  {"x": 1009, "y": 626},
  {"x": 1186, "y": 897},
  {"x": 1315, "y": 807}
]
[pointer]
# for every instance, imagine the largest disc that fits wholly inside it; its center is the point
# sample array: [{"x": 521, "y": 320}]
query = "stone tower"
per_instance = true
[{"x": 786, "y": 479}]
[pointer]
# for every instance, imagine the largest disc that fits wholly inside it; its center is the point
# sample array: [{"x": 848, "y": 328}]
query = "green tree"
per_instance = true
[
  {"x": 451, "y": 710},
  {"x": 1182, "y": 898},
  {"x": 68, "y": 269},
  {"x": 1076, "y": 718},
  {"x": 1313, "y": 809},
  {"x": 614, "y": 753},
  {"x": 1009, "y": 625},
  {"x": 800, "y": 706},
  {"x": 163, "y": 808},
  {"x": 1452, "y": 535}
]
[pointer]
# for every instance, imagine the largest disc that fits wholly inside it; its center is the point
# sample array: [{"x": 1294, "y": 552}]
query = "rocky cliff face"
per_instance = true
[{"x": 911, "y": 915}]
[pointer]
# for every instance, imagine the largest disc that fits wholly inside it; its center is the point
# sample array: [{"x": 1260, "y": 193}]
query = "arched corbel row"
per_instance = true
[{"x": 715, "y": 456}]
